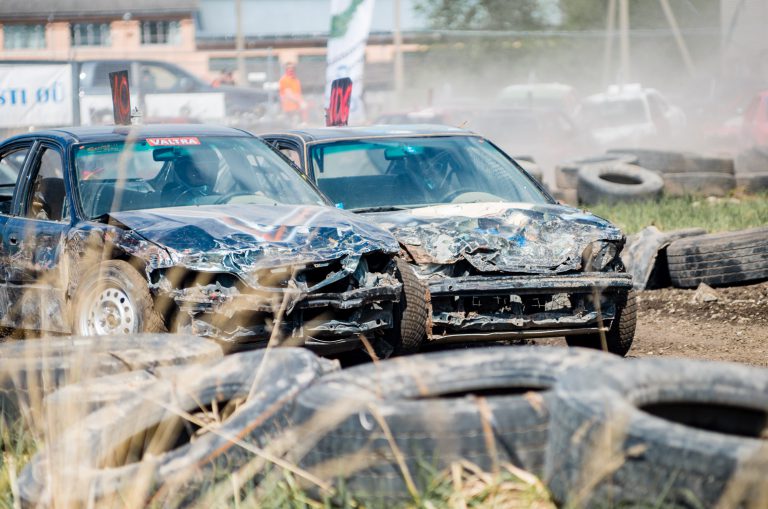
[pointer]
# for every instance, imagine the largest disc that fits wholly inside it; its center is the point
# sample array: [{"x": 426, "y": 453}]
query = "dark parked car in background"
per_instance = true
[
  {"x": 112, "y": 230},
  {"x": 502, "y": 259}
]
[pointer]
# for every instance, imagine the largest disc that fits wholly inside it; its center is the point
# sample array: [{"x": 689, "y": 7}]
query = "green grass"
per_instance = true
[{"x": 724, "y": 214}]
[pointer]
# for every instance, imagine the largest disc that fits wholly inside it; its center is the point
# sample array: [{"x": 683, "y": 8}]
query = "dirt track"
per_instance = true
[{"x": 733, "y": 328}]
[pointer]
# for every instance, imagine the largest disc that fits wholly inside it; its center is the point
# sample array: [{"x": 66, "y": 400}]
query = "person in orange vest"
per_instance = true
[{"x": 292, "y": 102}]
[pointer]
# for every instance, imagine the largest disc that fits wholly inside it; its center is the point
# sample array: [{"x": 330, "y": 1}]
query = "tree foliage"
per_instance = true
[{"x": 484, "y": 14}]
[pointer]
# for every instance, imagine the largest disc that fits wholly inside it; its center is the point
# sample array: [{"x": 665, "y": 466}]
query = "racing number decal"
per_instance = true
[
  {"x": 341, "y": 96},
  {"x": 121, "y": 97}
]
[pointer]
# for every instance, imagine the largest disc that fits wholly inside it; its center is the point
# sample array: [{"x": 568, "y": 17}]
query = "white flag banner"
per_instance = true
[{"x": 350, "y": 25}]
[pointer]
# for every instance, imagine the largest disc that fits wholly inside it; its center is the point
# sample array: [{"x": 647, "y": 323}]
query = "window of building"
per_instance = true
[
  {"x": 24, "y": 36},
  {"x": 90, "y": 34},
  {"x": 160, "y": 32}
]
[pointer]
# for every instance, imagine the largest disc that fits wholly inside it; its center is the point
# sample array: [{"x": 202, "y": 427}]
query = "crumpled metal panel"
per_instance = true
[
  {"x": 643, "y": 248},
  {"x": 242, "y": 239},
  {"x": 499, "y": 237}
]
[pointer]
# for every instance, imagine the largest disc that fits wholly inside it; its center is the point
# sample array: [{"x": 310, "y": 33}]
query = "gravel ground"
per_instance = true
[{"x": 671, "y": 322}]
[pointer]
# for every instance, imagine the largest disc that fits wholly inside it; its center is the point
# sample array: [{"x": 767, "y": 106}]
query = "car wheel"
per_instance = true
[
  {"x": 114, "y": 299},
  {"x": 618, "y": 339},
  {"x": 412, "y": 315}
]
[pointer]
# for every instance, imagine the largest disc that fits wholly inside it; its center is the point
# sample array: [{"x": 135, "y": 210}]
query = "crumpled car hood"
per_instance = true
[
  {"x": 498, "y": 237},
  {"x": 241, "y": 238}
]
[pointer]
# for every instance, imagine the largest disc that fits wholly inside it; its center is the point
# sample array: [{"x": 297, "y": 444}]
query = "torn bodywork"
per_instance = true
[
  {"x": 500, "y": 270},
  {"x": 308, "y": 273}
]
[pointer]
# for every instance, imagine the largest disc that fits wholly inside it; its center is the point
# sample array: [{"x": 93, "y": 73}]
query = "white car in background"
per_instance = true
[{"x": 629, "y": 115}]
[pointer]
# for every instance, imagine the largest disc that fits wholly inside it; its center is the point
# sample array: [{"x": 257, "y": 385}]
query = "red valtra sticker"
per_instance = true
[{"x": 168, "y": 142}]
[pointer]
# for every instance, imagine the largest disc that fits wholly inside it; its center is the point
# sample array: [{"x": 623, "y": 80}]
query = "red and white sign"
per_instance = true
[{"x": 172, "y": 142}]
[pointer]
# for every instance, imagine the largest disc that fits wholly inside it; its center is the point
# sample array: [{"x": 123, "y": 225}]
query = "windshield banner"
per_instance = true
[
  {"x": 36, "y": 95},
  {"x": 350, "y": 25}
]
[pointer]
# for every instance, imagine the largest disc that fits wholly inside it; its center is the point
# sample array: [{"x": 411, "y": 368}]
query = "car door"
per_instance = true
[
  {"x": 33, "y": 241},
  {"x": 13, "y": 158},
  {"x": 290, "y": 148}
]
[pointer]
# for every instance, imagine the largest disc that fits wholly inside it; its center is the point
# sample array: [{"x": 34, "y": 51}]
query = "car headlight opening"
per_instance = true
[{"x": 598, "y": 255}]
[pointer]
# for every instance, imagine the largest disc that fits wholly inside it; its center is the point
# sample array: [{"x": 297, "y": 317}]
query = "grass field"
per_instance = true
[{"x": 723, "y": 214}]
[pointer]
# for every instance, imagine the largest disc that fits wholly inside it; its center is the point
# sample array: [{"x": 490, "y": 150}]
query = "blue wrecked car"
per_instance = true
[
  {"x": 503, "y": 260},
  {"x": 117, "y": 230}
]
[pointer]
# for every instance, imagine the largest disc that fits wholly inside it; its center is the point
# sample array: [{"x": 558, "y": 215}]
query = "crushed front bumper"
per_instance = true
[
  {"x": 477, "y": 308},
  {"x": 324, "y": 321}
]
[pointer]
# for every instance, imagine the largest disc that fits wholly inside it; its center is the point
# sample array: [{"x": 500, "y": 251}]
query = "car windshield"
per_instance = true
[
  {"x": 182, "y": 171},
  {"x": 419, "y": 171},
  {"x": 613, "y": 113}
]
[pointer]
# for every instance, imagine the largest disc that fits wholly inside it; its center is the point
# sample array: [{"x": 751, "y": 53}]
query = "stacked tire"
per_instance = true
[
  {"x": 719, "y": 259},
  {"x": 567, "y": 174},
  {"x": 172, "y": 440},
  {"x": 685, "y": 173},
  {"x": 660, "y": 433},
  {"x": 752, "y": 170},
  {"x": 600, "y": 431}
]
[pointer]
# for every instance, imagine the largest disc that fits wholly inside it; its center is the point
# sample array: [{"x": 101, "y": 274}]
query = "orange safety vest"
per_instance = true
[{"x": 292, "y": 103}]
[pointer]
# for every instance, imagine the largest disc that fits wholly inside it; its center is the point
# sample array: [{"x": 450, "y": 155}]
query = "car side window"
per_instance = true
[
  {"x": 11, "y": 164},
  {"x": 47, "y": 197},
  {"x": 155, "y": 78},
  {"x": 291, "y": 153}
]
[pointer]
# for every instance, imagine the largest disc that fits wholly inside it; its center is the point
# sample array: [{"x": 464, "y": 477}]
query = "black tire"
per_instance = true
[
  {"x": 719, "y": 259},
  {"x": 433, "y": 406},
  {"x": 752, "y": 160},
  {"x": 660, "y": 433},
  {"x": 711, "y": 164},
  {"x": 753, "y": 182},
  {"x": 34, "y": 368},
  {"x": 619, "y": 338},
  {"x": 566, "y": 174},
  {"x": 104, "y": 458},
  {"x": 617, "y": 184},
  {"x": 698, "y": 183},
  {"x": 413, "y": 314},
  {"x": 662, "y": 161},
  {"x": 118, "y": 276}
]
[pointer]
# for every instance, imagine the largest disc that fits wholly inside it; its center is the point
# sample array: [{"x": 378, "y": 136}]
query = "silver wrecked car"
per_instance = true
[{"x": 502, "y": 259}]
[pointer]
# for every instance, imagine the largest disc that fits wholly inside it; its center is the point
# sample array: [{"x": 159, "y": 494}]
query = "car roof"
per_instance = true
[
  {"x": 100, "y": 134},
  {"x": 374, "y": 131}
]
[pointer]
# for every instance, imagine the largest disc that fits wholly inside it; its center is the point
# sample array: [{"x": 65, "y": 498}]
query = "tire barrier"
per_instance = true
[
  {"x": 385, "y": 429},
  {"x": 662, "y": 161},
  {"x": 617, "y": 184},
  {"x": 753, "y": 160},
  {"x": 719, "y": 259},
  {"x": 753, "y": 182},
  {"x": 176, "y": 438},
  {"x": 566, "y": 175},
  {"x": 698, "y": 183},
  {"x": 31, "y": 369},
  {"x": 660, "y": 433}
]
